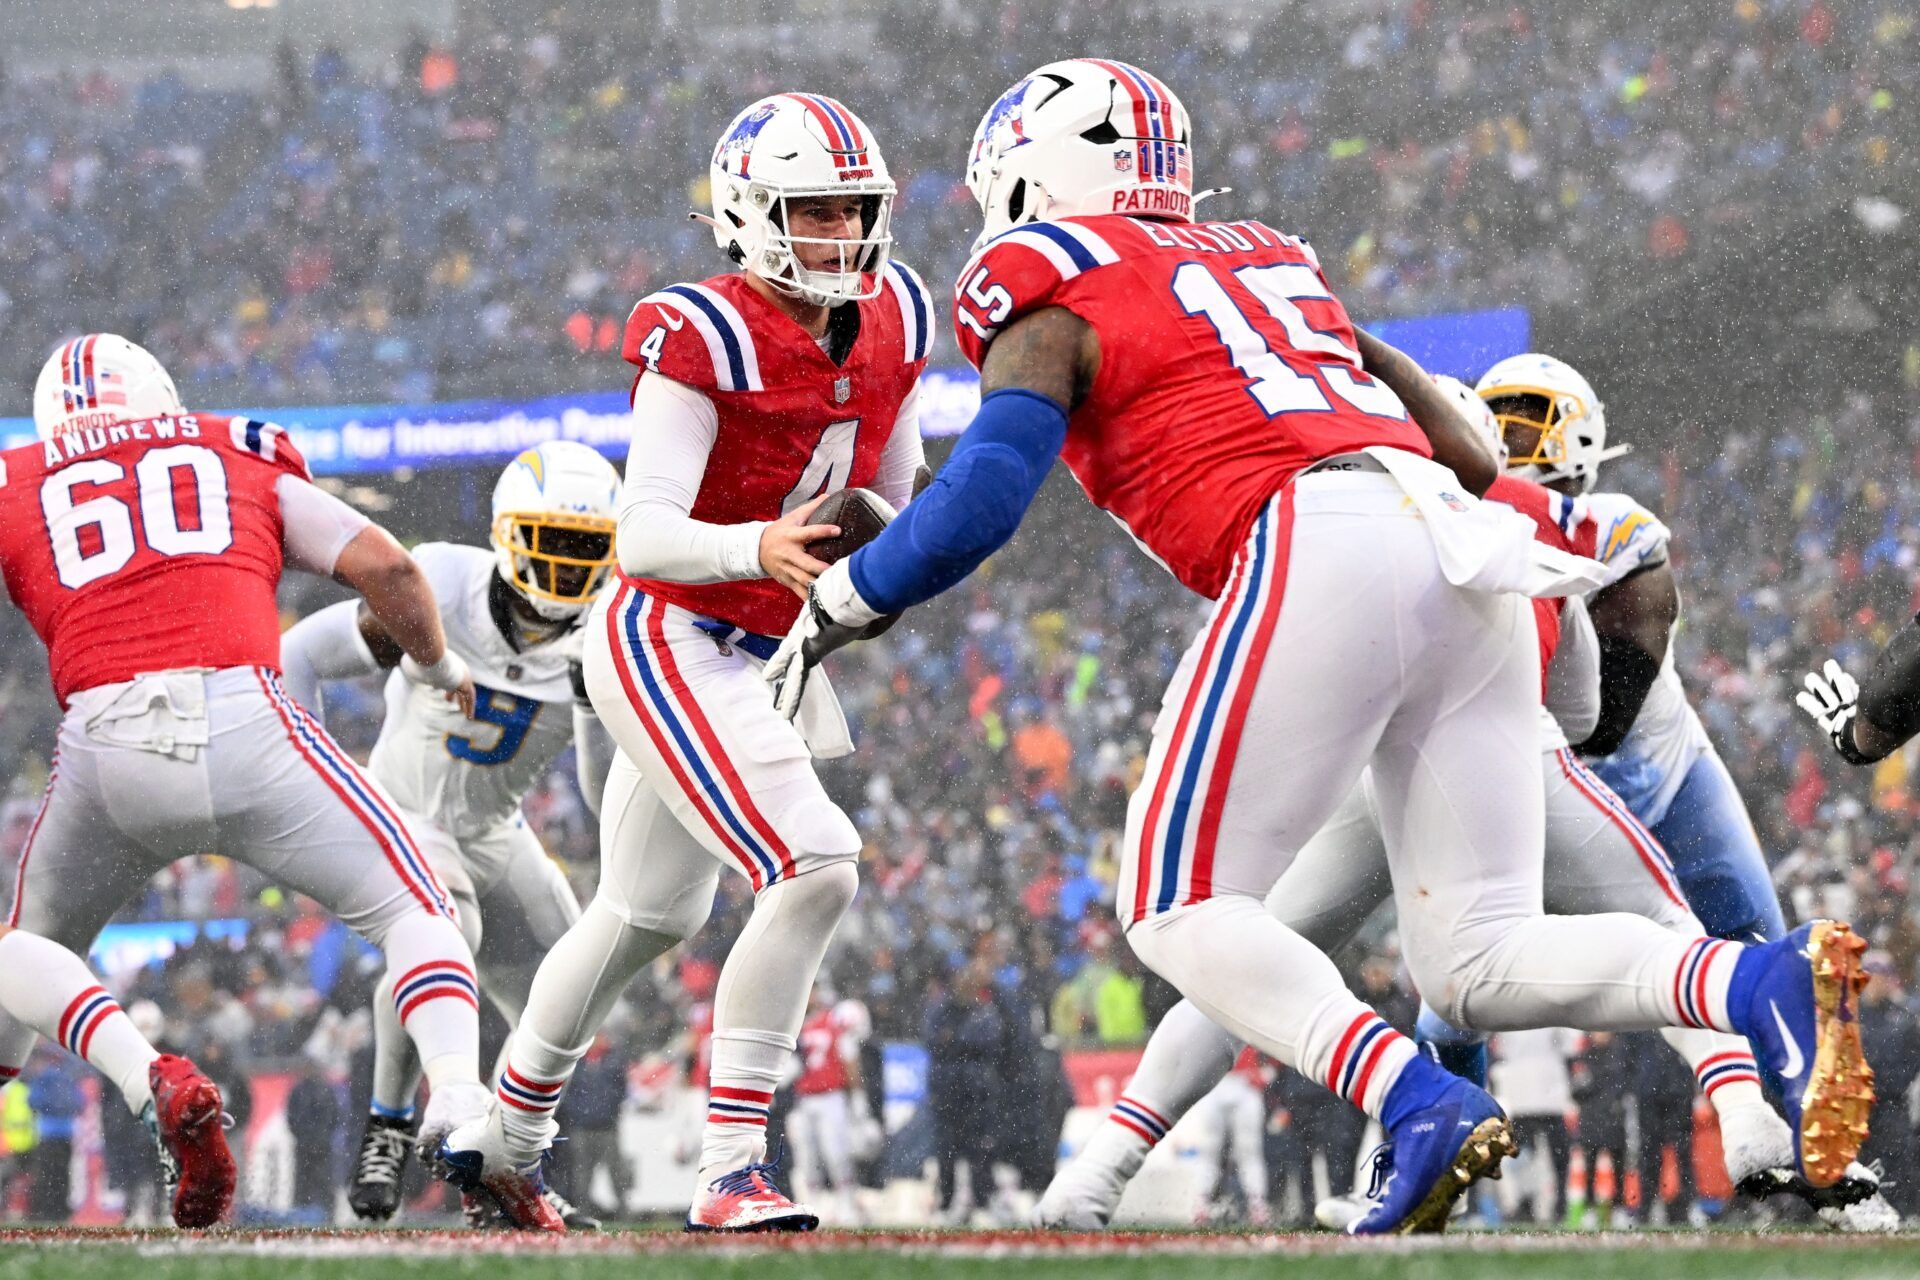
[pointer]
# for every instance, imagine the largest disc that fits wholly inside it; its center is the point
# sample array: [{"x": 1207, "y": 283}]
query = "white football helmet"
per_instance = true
[
  {"x": 98, "y": 380},
  {"x": 795, "y": 146},
  {"x": 1478, "y": 416},
  {"x": 553, "y": 526},
  {"x": 1081, "y": 137},
  {"x": 1561, "y": 406}
]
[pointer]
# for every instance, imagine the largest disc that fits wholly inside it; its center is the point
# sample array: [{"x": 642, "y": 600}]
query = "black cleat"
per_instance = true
[{"x": 382, "y": 1163}]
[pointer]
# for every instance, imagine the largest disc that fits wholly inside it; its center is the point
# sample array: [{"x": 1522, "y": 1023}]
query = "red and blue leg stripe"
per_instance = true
[
  {"x": 685, "y": 739},
  {"x": 1690, "y": 983},
  {"x": 434, "y": 980},
  {"x": 727, "y": 1104},
  {"x": 344, "y": 779},
  {"x": 83, "y": 1017},
  {"x": 1732, "y": 1067},
  {"x": 537, "y": 1096},
  {"x": 1141, "y": 1119}
]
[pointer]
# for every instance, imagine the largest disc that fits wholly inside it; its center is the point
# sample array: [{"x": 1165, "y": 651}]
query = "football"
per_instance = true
[{"x": 861, "y": 515}]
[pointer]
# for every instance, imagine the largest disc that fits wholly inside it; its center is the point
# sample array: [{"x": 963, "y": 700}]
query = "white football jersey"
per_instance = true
[
  {"x": 1667, "y": 736},
  {"x": 469, "y": 776}
]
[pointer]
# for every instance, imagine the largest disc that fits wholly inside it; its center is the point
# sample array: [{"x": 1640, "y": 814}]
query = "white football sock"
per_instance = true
[
  {"x": 760, "y": 1003},
  {"x": 1271, "y": 988},
  {"x": 435, "y": 998},
  {"x": 574, "y": 990},
  {"x": 50, "y": 989}
]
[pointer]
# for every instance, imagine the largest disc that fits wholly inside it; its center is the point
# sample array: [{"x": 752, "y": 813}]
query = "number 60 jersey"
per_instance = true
[
  {"x": 148, "y": 546},
  {"x": 1226, "y": 366}
]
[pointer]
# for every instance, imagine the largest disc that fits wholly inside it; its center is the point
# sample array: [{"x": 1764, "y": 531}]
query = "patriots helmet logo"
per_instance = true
[
  {"x": 1008, "y": 114},
  {"x": 737, "y": 146}
]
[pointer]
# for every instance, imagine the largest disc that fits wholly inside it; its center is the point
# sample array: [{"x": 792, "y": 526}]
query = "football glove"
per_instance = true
[
  {"x": 833, "y": 617},
  {"x": 1833, "y": 700}
]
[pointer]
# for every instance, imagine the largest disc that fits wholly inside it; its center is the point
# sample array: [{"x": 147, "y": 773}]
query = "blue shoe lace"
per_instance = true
[{"x": 741, "y": 1180}]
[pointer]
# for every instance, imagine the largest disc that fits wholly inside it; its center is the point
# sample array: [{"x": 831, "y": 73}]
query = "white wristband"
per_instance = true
[
  {"x": 834, "y": 591},
  {"x": 450, "y": 672}
]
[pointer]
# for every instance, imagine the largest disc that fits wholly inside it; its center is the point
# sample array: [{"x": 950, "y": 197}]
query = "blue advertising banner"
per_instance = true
[{"x": 368, "y": 439}]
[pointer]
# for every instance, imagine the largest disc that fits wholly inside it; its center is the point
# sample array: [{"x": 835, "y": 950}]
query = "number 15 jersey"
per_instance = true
[
  {"x": 1226, "y": 366},
  {"x": 148, "y": 546}
]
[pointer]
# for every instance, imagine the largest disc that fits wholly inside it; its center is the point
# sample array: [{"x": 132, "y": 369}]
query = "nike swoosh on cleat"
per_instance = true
[{"x": 1795, "y": 1063}]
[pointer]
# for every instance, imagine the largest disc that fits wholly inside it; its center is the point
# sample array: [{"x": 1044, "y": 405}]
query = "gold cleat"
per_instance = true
[
  {"x": 1839, "y": 1093},
  {"x": 1479, "y": 1157}
]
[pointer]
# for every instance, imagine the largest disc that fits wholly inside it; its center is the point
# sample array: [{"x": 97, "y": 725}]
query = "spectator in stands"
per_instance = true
[
  {"x": 590, "y": 1118},
  {"x": 53, "y": 1091},
  {"x": 314, "y": 1118}
]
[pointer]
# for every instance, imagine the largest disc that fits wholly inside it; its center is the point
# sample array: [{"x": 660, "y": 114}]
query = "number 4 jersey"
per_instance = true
[
  {"x": 148, "y": 546},
  {"x": 791, "y": 423},
  {"x": 1226, "y": 366}
]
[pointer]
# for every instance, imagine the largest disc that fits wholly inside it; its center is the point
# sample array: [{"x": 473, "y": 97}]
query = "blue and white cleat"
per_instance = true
[
  {"x": 477, "y": 1160},
  {"x": 1800, "y": 1016},
  {"x": 1432, "y": 1156}
]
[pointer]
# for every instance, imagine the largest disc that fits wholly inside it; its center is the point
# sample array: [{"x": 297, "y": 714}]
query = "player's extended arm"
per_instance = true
[
  {"x": 1867, "y": 722},
  {"x": 1634, "y": 619},
  {"x": 1037, "y": 371},
  {"x": 341, "y": 642},
  {"x": 1454, "y": 444},
  {"x": 593, "y": 746},
  {"x": 400, "y": 599}
]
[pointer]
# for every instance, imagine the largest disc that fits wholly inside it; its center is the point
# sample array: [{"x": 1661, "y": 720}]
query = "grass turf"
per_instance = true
[{"x": 955, "y": 1256}]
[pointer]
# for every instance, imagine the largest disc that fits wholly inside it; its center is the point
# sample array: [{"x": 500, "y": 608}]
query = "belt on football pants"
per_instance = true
[
  {"x": 761, "y": 647},
  {"x": 1345, "y": 462}
]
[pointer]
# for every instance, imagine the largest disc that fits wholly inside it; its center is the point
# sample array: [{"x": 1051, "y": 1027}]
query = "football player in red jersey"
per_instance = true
[
  {"x": 1598, "y": 856},
  {"x": 1206, "y": 388},
  {"x": 144, "y": 544},
  {"x": 829, "y": 1106},
  {"x": 758, "y": 392}
]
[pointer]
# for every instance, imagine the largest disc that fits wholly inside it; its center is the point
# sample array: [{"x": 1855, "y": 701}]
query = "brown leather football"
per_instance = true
[{"x": 861, "y": 515}]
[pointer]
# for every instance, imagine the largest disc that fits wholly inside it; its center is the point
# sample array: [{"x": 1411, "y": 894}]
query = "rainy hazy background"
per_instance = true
[{"x": 1706, "y": 205}]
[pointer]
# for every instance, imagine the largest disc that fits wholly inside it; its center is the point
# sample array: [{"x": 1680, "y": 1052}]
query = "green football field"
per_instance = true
[{"x": 400, "y": 1255}]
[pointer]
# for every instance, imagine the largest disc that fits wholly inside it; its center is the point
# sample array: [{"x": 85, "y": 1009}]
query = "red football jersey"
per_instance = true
[
  {"x": 1226, "y": 366},
  {"x": 822, "y": 1069},
  {"x": 148, "y": 546},
  {"x": 1548, "y": 511},
  {"x": 792, "y": 423}
]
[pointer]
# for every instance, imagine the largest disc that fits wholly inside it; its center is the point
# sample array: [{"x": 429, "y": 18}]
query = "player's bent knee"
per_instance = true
[
  {"x": 816, "y": 830},
  {"x": 681, "y": 914}
]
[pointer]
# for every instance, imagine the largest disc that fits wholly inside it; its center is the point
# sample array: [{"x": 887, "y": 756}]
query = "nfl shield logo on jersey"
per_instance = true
[{"x": 842, "y": 388}]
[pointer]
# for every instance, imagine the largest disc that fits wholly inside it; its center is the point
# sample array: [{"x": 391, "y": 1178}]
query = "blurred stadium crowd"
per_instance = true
[{"x": 477, "y": 220}]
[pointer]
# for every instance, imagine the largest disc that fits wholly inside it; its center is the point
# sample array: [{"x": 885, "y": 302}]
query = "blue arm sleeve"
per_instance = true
[{"x": 972, "y": 507}]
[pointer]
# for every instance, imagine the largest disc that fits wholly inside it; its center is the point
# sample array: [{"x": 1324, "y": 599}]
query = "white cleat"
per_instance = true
[
  {"x": 448, "y": 1108},
  {"x": 1869, "y": 1216},
  {"x": 1336, "y": 1213},
  {"x": 747, "y": 1199},
  {"x": 477, "y": 1159},
  {"x": 1081, "y": 1197}
]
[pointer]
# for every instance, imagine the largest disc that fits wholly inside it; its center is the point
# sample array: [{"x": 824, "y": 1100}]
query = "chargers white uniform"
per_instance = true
[
  {"x": 1666, "y": 770},
  {"x": 459, "y": 782},
  {"x": 464, "y": 779}
]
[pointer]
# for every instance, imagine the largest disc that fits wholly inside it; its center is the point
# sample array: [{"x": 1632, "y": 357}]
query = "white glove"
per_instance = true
[
  {"x": 1833, "y": 700},
  {"x": 834, "y": 616},
  {"x": 449, "y": 673}
]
